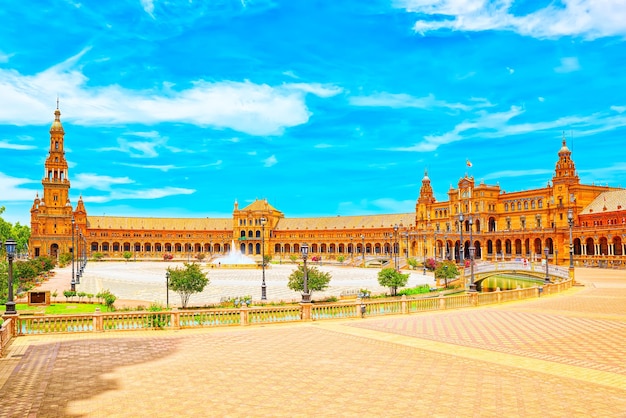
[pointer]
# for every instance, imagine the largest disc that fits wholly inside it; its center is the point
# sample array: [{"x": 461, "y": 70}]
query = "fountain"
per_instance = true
[{"x": 234, "y": 259}]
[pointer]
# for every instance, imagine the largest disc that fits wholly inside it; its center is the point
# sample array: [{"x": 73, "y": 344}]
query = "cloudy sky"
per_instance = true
[{"x": 179, "y": 108}]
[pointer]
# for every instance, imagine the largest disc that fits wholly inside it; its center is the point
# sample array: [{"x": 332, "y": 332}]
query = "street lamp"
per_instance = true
[
  {"x": 472, "y": 251},
  {"x": 424, "y": 251},
  {"x": 363, "y": 249},
  {"x": 263, "y": 287},
  {"x": 472, "y": 287},
  {"x": 570, "y": 221},
  {"x": 79, "y": 245},
  {"x": 461, "y": 255},
  {"x": 351, "y": 250},
  {"x": 167, "y": 289},
  {"x": 73, "y": 282},
  {"x": 546, "y": 251},
  {"x": 395, "y": 246},
  {"x": 306, "y": 296},
  {"x": 9, "y": 246}
]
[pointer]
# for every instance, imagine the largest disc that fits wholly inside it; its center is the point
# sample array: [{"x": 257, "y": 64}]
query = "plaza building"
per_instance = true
[{"x": 478, "y": 218}]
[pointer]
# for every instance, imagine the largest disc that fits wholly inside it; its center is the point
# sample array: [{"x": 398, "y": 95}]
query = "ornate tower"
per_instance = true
[
  {"x": 565, "y": 172},
  {"x": 51, "y": 216}
]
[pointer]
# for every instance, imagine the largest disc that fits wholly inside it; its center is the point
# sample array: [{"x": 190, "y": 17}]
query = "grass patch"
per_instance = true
[{"x": 58, "y": 308}]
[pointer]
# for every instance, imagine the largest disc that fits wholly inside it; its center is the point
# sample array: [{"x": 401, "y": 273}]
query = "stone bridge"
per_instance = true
[{"x": 532, "y": 270}]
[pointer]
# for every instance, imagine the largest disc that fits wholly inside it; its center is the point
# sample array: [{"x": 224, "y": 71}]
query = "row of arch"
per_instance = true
[{"x": 442, "y": 248}]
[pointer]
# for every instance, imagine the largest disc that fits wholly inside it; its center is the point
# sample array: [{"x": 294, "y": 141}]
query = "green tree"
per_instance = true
[
  {"x": 446, "y": 270},
  {"x": 391, "y": 278},
  {"x": 20, "y": 233},
  {"x": 316, "y": 280},
  {"x": 186, "y": 281},
  {"x": 127, "y": 255},
  {"x": 65, "y": 259}
]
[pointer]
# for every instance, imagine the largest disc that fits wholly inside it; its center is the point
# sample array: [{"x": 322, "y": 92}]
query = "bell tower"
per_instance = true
[
  {"x": 51, "y": 216},
  {"x": 565, "y": 171}
]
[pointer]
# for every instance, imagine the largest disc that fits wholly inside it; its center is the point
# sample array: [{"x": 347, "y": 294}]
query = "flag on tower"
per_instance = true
[{"x": 468, "y": 163}]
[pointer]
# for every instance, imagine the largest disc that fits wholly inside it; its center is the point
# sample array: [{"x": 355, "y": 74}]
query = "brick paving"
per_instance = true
[{"x": 551, "y": 357}]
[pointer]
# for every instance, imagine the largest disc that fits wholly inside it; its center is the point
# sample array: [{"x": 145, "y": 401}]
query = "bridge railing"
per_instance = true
[
  {"x": 507, "y": 266},
  {"x": 207, "y": 318}
]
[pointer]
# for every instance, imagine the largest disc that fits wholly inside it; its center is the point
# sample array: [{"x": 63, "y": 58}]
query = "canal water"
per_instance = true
[{"x": 507, "y": 282}]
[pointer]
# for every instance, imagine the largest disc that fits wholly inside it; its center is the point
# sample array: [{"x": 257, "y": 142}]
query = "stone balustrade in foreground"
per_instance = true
[{"x": 180, "y": 319}]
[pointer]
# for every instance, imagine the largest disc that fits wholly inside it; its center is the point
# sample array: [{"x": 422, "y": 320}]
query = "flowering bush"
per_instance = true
[{"x": 168, "y": 256}]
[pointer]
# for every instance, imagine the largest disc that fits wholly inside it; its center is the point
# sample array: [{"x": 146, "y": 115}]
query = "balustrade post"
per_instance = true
[
  {"x": 98, "y": 325},
  {"x": 405, "y": 305},
  {"x": 473, "y": 298},
  {"x": 175, "y": 318},
  {"x": 499, "y": 294},
  {"x": 442, "y": 302},
  {"x": 305, "y": 311},
  {"x": 243, "y": 315}
]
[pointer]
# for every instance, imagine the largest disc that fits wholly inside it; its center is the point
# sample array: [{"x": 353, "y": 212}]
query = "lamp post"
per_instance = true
[
  {"x": 424, "y": 251},
  {"x": 306, "y": 296},
  {"x": 351, "y": 250},
  {"x": 461, "y": 255},
  {"x": 570, "y": 221},
  {"x": 73, "y": 282},
  {"x": 363, "y": 249},
  {"x": 78, "y": 245},
  {"x": 472, "y": 251},
  {"x": 406, "y": 241},
  {"x": 263, "y": 287},
  {"x": 546, "y": 251},
  {"x": 10, "y": 246},
  {"x": 395, "y": 246},
  {"x": 167, "y": 289}
]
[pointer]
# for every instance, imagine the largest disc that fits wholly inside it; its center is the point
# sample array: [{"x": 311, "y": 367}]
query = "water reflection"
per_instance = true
[{"x": 507, "y": 282}]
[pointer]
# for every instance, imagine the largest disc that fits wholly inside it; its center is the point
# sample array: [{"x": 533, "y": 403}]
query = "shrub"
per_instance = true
[
  {"x": 341, "y": 258},
  {"x": 157, "y": 320},
  {"x": 98, "y": 256},
  {"x": 421, "y": 289},
  {"x": 168, "y": 256},
  {"x": 69, "y": 294},
  {"x": 200, "y": 256},
  {"x": 65, "y": 259}
]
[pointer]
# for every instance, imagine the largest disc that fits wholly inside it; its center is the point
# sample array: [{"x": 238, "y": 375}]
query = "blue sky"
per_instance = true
[{"x": 179, "y": 108}]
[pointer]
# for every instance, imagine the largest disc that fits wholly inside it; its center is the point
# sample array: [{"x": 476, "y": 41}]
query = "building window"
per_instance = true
[{"x": 506, "y": 207}]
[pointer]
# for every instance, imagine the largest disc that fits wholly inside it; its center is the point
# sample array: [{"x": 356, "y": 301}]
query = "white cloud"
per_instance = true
[
  {"x": 10, "y": 189},
  {"x": 84, "y": 181},
  {"x": 497, "y": 125},
  {"x": 376, "y": 206},
  {"x": 4, "y": 58},
  {"x": 256, "y": 109},
  {"x": 136, "y": 149},
  {"x": 590, "y": 19},
  {"x": 510, "y": 70},
  {"x": 541, "y": 99},
  {"x": 568, "y": 65},
  {"x": 619, "y": 109},
  {"x": 270, "y": 161},
  {"x": 323, "y": 146},
  {"x": 139, "y": 194},
  {"x": 17, "y": 147},
  {"x": 402, "y": 100},
  {"x": 516, "y": 173},
  {"x": 148, "y": 7}
]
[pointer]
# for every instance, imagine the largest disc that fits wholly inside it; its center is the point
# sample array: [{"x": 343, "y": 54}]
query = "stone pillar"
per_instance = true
[
  {"x": 243, "y": 315},
  {"x": 97, "y": 321},
  {"x": 306, "y": 311},
  {"x": 499, "y": 294},
  {"x": 175, "y": 318},
  {"x": 442, "y": 302},
  {"x": 405, "y": 305}
]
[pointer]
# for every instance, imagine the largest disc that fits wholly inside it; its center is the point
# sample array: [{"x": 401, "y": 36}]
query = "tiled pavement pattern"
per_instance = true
[{"x": 543, "y": 358}]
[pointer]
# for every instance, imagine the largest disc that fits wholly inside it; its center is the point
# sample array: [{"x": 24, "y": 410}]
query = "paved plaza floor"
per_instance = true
[{"x": 557, "y": 356}]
